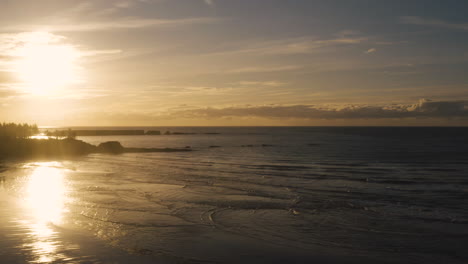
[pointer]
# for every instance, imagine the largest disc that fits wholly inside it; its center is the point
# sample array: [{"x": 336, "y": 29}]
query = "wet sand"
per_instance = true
[
  {"x": 24, "y": 240},
  {"x": 27, "y": 238}
]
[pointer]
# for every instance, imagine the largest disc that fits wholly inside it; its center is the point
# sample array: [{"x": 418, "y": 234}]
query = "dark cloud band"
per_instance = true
[{"x": 424, "y": 108}]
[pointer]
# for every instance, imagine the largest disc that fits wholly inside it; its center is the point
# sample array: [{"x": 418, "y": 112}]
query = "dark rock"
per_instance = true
[
  {"x": 111, "y": 147},
  {"x": 76, "y": 147},
  {"x": 215, "y": 146}
]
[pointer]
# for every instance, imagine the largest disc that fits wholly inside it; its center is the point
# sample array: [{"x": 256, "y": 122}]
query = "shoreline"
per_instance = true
[
  {"x": 68, "y": 147},
  {"x": 340, "y": 201},
  {"x": 25, "y": 238}
]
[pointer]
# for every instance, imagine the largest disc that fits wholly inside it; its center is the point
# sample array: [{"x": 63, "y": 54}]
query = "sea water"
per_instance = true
[{"x": 260, "y": 194}]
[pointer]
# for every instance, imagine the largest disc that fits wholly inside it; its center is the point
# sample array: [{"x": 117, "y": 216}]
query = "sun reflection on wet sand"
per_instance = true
[
  {"x": 40, "y": 220},
  {"x": 46, "y": 194},
  {"x": 45, "y": 198}
]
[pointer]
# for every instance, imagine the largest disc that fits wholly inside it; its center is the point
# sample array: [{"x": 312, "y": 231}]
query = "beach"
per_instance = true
[{"x": 262, "y": 195}]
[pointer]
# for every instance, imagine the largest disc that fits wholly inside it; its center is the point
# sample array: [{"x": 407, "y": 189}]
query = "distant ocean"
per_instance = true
[{"x": 268, "y": 194}]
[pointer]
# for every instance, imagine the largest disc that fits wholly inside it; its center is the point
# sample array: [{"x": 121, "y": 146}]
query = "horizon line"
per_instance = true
[{"x": 142, "y": 126}]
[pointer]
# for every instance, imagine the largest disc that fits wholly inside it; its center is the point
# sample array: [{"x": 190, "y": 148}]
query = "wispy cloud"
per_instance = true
[
  {"x": 176, "y": 90},
  {"x": 119, "y": 24},
  {"x": 209, "y": 2},
  {"x": 7, "y": 93},
  {"x": 79, "y": 94},
  {"x": 13, "y": 45},
  {"x": 371, "y": 50},
  {"x": 414, "y": 20},
  {"x": 10, "y": 43},
  {"x": 301, "y": 45},
  {"x": 113, "y": 7},
  {"x": 116, "y": 7},
  {"x": 123, "y": 4},
  {"x": 94, "y": 8},
  {"x": 262, "y": 83},
  {"x": 257, "y": 69}
]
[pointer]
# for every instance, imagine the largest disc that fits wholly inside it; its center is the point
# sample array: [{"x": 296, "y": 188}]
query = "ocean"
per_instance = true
[{"x": 246, "y": 195}]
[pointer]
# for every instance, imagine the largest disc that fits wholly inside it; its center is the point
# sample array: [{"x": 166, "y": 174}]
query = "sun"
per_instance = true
[{"x": 44, "y": 64}]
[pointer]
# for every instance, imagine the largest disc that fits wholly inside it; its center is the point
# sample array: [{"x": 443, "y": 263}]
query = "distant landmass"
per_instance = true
[{"x": 128, "y": 132}]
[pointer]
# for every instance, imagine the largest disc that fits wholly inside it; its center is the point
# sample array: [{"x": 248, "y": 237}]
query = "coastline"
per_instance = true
[
  {"x": 24, "y": 238},
  {"x": 67, "y": 147},
  {"x": 310, "y": 198}
]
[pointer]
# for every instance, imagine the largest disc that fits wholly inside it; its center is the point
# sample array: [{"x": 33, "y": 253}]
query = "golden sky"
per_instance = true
[{"x": 233, "y": 62}]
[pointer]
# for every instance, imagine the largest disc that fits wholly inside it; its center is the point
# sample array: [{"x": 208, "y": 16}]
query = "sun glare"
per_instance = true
[
  {"x": 45, "y": 200},
  {"x": 44, "y": 64},
  {"x": 46, "y": 193}
]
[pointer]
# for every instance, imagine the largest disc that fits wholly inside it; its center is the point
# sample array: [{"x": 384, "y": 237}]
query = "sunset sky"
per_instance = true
[{"x": 234, "y": 62}]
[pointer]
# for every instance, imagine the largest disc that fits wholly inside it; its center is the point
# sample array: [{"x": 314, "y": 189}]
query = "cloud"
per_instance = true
[
  {"x": 6, "y": 93},
  {"x": 440, "y": 108},
  {"x": 299, "y": 46},
  {"x": 263, "y": 83},
  {"x": 265, "y": 69},
  {"x": 177, "y": 90},
  {"x": 119, "y": 24},
  {"x": 187, "y": 90},
  {"x": 289, "y": 46},
  {"x": 209, "y": 2},
  {"x": 13, "y": 46},
  {"x": 123, "y": 4},
  {"x": 116, "y": 7},
  {"x": 10, "y": 43},
  {"x": 413, "y": 20},
  {"x": 371, "y": 50},
  {"x": 422, "y": 109},
  {"x": 302, "y": 45}
]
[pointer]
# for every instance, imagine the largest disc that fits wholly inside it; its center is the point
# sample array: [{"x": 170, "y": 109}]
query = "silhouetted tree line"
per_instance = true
[
  {"x": 15, "y": 131},
  {"x": 15, "y": 142}
]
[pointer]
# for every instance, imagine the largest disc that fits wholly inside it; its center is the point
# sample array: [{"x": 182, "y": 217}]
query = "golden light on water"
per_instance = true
[
  {"x": 43, "y": 242},
  {"x": 44, "y": 64},
  {"x": 45, "y": 201},
  {"x": 46, "y": 193},
  {"x": 40, "y": 136}
]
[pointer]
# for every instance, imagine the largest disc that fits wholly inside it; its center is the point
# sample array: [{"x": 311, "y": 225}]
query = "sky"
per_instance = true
[{"x": 234, "y": 62}]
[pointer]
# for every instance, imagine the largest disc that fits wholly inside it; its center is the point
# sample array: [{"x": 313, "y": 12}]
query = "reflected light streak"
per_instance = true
[
  {"x": 46, "y": 195},
  {"x": 40, "y": 136}
]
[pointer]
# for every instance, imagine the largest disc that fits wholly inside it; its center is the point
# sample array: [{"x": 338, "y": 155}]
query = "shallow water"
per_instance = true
[{"x": 343, "y": 195}]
